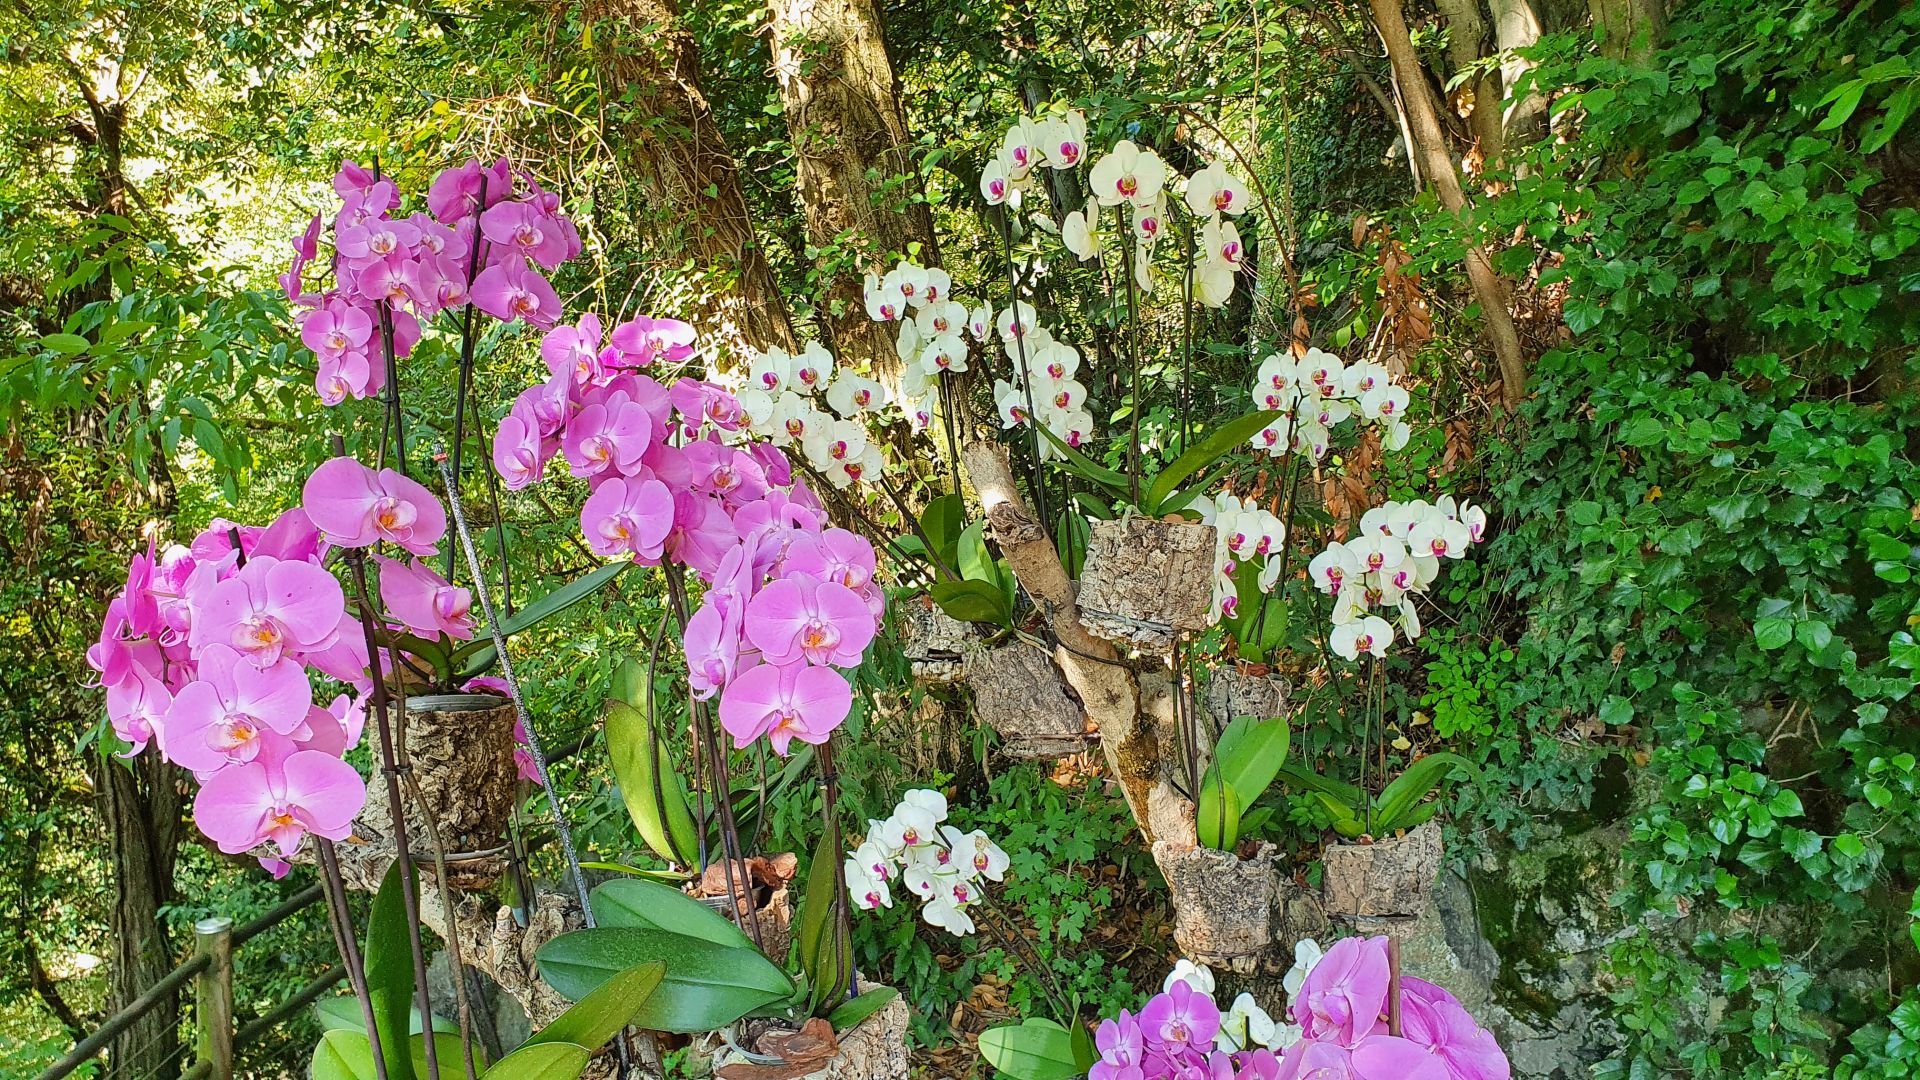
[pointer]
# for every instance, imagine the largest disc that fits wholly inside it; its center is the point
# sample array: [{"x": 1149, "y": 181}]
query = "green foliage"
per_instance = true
[
  {"x": 1246, "y": 758},
  {"x": 1036, "y": 1049}
]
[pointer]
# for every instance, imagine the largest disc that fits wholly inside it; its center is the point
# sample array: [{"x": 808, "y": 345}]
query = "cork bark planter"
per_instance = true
[
  {"x": 935, "y": 642},
  {"x": 1147, "y": 581},
  {"x": 461, "y": 750},
  {"x": 873, "y": 1049},
  {"x": 1387, "y": 879},
  {"x": 1224, "y": 906},
  {"x": 1234, "y": 693},
  {"x": 1018, "y": 692}
]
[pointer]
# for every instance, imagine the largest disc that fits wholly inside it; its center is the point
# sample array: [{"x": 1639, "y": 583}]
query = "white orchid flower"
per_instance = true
[
  {"x": 1150, "y": 220},
  {"x": 1081, "y": 232},
  {"x": 851, "y": 394},
  {"x": 1306, "y": 953},
  {"x": 1277, "y": 372},
  {"x": 1056, "y": 361},
  {"x": 926, "y": 799},
  {"x": 1322, "y": 369},
  {"x": 1213, "y": 283},
  {"x": 1409, "y": 618},
  {"x": 1064, "y": 140},
  {"x": 813, "y": 368},
  {"x": 1440, "y": 537},
  {"x": 1384, "y": 402},
  {"x": 866, "y": 890},
  {"x": 908, "y": 342},
  {"x": 1276, "y": 438},
  {"x": 980, "y": 322},
  {"x": 1312, "y": 439},
  {"x": 943, "y": 912},
  {"x": 771, "y": 371},
  {"x": 948, "y": 352},
  {"x": 1010, "y": 402},
  {"x": 934, "y": 287},
  {"x": 921, "y": 880},
  {"x": 1065, "y": 396},
  {"x": 794, "y": 417},
  {"x": 829, "y": 444},
  {"x": 1129, "y": 174},
  {"x": 1018, "y": 320},
  {"x": 1377, "y": 553},
  {"x": 1221, "y": 240},
  {"x": 1365, "y": 376},
  {"x": 1370, "y": 634},
  {"x": 995, "y": 185},
  {"x": 1333, "y": 568},
  {"x": 984, "y": 856},
  {"x": 1143, "y": 268},
  {"x": 908, "y": 279},
  {"x": 1213, "y": 190},
  {"x": 1020, "y": 148},
  {"x": 1246, "y": 1025},
  {"x": 1475, "y": 519},
  {"x": 944, "y": 317},
  {"x": 1198, "y": 976}
]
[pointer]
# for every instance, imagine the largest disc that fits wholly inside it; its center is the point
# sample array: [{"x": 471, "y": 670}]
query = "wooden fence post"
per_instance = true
[{"x": 213, "y": 996}]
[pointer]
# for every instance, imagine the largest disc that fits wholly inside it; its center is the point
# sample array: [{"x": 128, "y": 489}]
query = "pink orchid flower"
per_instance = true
[
  {"x": 644, "y": 341},
  {"x": 349, "y": 375},
  {"x": 801, "y": 617},
  {"x": 512, "y": 290},
  {"x": 702, "y": 403},
  {"x": 270, "y": 608},
  {"x": 1181, "y": 1018},
  {"x": 1390, "y": 1057},
  {"x": 336, "y": 330},
  {"x": 574, "y": 351},
  {"x": 234, "y": 712},
  {"x": 375, "y": 239},
  {"x": 835, "y": 555},
  {"x": 455, "y": 193},
  {"x": 1311, "y": 1060},
  {"x": 310, "y": 792},
  {"x": 525, "y": 231},
  {"x": 517, "y": 450},
  {"x": 608, "y": 437},
  {"x": 784, "y": 703},
  {"x": 346, "y": 659},
  {"x": 713, "y": 648},
  {"x": 355, "y": 506},
  {"x": 335, "y": 727},
  {"x": 703, "y": 532},
  {"x": 137, "y": 708},
  {"x": 1444, "y": 1030},
  {"x": 734, "y": 476},
  {"x": 628, "y": 516},
  {"x": 1343, "y": 996},
  {"x": 426, "y": 603}
]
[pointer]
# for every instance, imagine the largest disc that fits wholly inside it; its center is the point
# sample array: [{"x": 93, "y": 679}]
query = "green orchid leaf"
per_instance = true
[
  {"x": 388, "y": 956},
  {"x": 596, "y": 1018},
  {"x": 637, "y": 904},
  {"x": 542, "y": 1061},
  {"x": 972, "y": 601},
  {"x": 1224, "y": 440},
  {"x": 1410, "y": 787},
  {"x": 707, "y": 986},
  {"x": 1218, "y": 818},
  {"x": 849, "y": 1014},
  {"x": 1250, "y": 753},
  {"x": 656, "y": 799},
  {"x": 1035, "y": 1049}
]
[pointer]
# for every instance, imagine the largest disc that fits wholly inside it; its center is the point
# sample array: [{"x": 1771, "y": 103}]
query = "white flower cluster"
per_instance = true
[
  {"x": 1043, "y": 378},
  {"x": 1245, "y": 532},
  {"x": 1244, "y": 1024},
  {"x": 1057, "y": 143},
  {"x": 1317, "y": 393},
  {"x": 1396, "y": 554},
  {"x": 781, "y": 402},
  {"x": 936, "y": 862},
  {"x": 933, "y": 332}
]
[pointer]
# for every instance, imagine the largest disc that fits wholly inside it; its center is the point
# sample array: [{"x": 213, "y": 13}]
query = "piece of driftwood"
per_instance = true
[
  {"x": 1234, "y": 693},
  {"x": 1387, "y": 879},
  {"x": 1223, "y": 905},
  {"x": 1147, "y": 580},
  {"x": 460, "y": 747},
  {"x": 1018, "y": 692},
  {"x": 935, "y": 642}
]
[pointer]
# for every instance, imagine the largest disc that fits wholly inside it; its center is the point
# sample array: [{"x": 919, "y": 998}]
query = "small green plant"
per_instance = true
[
  {"x": 1248, "y": 756},
  {"x": 1400, "y": 805}
]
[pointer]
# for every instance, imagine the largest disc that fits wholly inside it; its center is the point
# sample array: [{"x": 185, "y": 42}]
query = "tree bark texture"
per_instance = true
[
  {"x": 140, "y": 805},
  {"x": 1437, "y": 163},
  {"x": 1516, "y": 25},
  {"x": 856, "y": 179},
  {"x": 1466, "y": 44},
  {"x": 652, "y": 67},
  {"x": 1628, "y": 29}
]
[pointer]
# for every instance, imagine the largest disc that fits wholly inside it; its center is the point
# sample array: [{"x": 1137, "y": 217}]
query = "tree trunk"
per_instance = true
[
  {"x": 1437, "y": 162},
  {"x": 1517, "y": 26},
  {"x": 1466, "y": 44},
  {"x": 652, "y": 65},
  {"x": 842, "y": 102},
  {"x": 1628, "y": 30},
  {"x": 140, "y": 805}
]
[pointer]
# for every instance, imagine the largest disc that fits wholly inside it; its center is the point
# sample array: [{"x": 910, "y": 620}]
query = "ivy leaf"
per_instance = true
[
  {"x": 1813, "y": 635},
  {"x": 1773, "y": 633}
]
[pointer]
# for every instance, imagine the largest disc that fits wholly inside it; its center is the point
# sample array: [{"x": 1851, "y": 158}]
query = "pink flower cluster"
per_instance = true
[
  {"x": 675, "y": 478},
  {"x": 204, "y": 655},
  {"x": 1340, "y": 1010},
  {"x": 408, "y": 269}
]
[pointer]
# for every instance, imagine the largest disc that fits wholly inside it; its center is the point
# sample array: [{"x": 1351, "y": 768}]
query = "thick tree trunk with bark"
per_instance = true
[
  {"x": 1517, "y": 26},
  {"x": 652, "y": 66},
  {"x": 843, "y": 113},
  {"x": 140, "y": 805},
  {"x": 1628, "y": 29},
  {"x": 1437, "y": 163}
]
